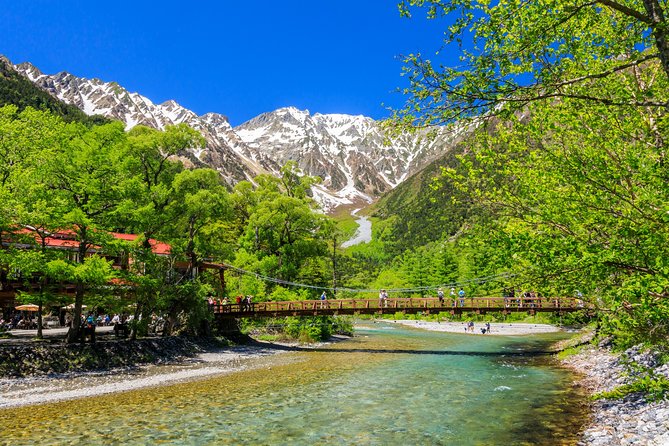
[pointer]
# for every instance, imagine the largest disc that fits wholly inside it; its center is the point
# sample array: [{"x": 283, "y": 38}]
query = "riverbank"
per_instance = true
[
  {"x": 191, "y": 361},
  {"x": 496, "y": 329},
  {"x": 627, "y": 421},
  {"x": 15, "y": 392}
]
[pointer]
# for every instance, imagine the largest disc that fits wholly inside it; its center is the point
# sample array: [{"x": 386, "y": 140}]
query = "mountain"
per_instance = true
[
  {"x": 17, "y": 90},
  {"x": 415, "y": 213},
  {"x": 224, "y": 151},
  {"x": 351, "y": 155}
]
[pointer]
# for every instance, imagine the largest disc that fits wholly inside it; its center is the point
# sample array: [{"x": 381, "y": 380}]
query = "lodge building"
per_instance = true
[{"x": 12, "y": 282}]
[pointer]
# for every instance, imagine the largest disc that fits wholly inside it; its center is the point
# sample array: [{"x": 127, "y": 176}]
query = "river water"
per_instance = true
[
  {"x": 363, "y": 234},
  {"x": 389, "y": 385}
]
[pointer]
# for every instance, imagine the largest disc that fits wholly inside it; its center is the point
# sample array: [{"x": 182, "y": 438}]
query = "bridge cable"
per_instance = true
[{"x": 476, "y": 280}]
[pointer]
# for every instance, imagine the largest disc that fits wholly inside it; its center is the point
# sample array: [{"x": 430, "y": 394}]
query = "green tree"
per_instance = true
[
  {"x": 279, "y": 225},
  {"x": 512, "y": 53},
  {"x": 580, "y": 199},
  {"x": 85, "y": 173},
  {"x": 197, "y": 231}
]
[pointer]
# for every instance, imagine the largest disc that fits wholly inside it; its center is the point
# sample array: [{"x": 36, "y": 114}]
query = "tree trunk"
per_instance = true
[
  {"x": 39, "y": 316},
  {"x": 135, "y": 322},
  {"x": 74, "y": 332},
  {"x": 660, "y": 31}
]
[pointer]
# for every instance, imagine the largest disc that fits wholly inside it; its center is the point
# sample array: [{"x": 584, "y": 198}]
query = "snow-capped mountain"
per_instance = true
[
  {"x": 348, "y": 152},
  {"x": 224, "y": 150}
]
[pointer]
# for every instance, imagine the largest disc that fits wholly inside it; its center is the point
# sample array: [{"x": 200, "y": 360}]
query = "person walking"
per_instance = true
[
  {"x": 440, "y": 295},
  {"x": 461, "y": 294}
]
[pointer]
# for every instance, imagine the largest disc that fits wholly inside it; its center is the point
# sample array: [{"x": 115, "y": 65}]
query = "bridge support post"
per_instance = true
[{"x": 227, "y": 326}]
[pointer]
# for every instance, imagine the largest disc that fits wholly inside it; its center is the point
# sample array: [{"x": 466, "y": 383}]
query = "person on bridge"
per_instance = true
[
  {"x": 383, "y": 299},
  {"x": 461, "y": 293},
  {"x": 324, "y": 299},
  {"x": 440, "y": 295},
  {"x": 452, "y": 296}
]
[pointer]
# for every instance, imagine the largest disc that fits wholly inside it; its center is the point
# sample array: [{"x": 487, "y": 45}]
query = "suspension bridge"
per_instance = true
[{"x": 330, "y": 307}]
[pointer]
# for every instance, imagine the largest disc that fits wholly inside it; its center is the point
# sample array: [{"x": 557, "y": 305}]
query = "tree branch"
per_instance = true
[{"x": 627, "y": 11}]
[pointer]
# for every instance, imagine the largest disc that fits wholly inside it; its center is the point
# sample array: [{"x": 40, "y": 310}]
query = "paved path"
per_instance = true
[{"x": 48, "y": 333}]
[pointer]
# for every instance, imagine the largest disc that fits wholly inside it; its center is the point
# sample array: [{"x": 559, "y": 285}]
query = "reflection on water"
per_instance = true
[{"x": 384, "y": 387}]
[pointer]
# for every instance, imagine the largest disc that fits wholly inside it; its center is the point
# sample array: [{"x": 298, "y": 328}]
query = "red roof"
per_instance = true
[
  {"x": 157, "y": 247},
  {"x": 66, "y": 239}
]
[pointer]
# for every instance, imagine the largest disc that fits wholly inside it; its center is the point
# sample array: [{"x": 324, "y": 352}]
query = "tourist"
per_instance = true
[
  {"x": 324, "y": 298},
  {"x": 382, "y": 298},
  {"x": 88, "y": 328},
  {"x": 452, "y": 297},
  {"x": 487, "y": 327},
  {"x": 461, "y": 293},
  {"x": 440, "y": 295}
]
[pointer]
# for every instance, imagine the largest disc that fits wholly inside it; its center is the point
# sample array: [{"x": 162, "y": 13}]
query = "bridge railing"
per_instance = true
[{"x": 428, "y": 303}]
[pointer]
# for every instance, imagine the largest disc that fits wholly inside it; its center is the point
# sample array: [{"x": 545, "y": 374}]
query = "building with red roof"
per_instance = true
[{"x": 31, "y": 238}]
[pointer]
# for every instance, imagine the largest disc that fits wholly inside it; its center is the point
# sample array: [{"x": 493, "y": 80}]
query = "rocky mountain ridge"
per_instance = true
[{"x": 351, "y": 155}]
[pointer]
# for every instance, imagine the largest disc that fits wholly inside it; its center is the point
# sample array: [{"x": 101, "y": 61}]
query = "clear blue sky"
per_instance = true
[{"x": 238, "y": 58}]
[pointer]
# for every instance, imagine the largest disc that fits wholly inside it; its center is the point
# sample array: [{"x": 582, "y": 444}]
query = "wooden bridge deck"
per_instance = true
[{"x": 479, "y": 305}]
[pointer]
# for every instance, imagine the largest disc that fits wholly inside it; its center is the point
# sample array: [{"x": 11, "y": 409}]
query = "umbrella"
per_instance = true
[{"x": 28, "y": 307}]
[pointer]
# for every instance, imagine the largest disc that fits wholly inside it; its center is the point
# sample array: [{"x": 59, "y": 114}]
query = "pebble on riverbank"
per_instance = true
[
  {"x": 631, "y": 420},
  {"x": 496, "y": 329}
]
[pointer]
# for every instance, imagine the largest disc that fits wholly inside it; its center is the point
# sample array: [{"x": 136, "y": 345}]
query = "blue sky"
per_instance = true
[{"x": 237, "y": 58}]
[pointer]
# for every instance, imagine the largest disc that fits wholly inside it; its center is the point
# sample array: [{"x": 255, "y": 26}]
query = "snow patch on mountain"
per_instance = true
[{"x": 351, "y": 154}]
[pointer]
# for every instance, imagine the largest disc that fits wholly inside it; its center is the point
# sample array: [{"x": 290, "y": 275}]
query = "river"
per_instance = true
[
  {"x": 389, "y": 385},
  {"x": 363, "y": 234}
]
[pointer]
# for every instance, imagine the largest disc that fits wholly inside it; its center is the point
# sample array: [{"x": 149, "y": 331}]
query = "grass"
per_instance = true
[
  {"x": 654, "y": 387},
  {"x": 268, "y": 337},
  {"x": 348, "y": 226},
  {"x": 569, "y": 351}
]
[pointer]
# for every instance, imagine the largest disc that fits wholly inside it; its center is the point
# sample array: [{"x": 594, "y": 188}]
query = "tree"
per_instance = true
[
  {"x": 84, "y": 171},
  {"x": 197, "y": 231},
  {"x": 148, "y": 160},
  {"x": 280, "y": 226},
  {"x": 513, "y": 53},
  {"x": 579, "y": 199}
]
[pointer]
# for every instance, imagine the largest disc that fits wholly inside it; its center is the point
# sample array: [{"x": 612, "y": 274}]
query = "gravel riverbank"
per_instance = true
[
  {"x": 200, "y": 362},
  {"x": 57, "y": 387},
  {"x": 632, "y": 420},
  {"x": 496, "y": 329}
]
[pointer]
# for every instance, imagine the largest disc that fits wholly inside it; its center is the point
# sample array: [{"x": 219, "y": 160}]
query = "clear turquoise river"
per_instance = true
[{"x": 389, "y": 385}]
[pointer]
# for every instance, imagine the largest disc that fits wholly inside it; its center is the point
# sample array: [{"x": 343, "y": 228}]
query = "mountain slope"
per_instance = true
[
  {"x": 349, "y": 153},
  {"x": 418, "y": 211},
  {"x": 17, "y": 90},
  {"x": 223, "y": 151}
]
